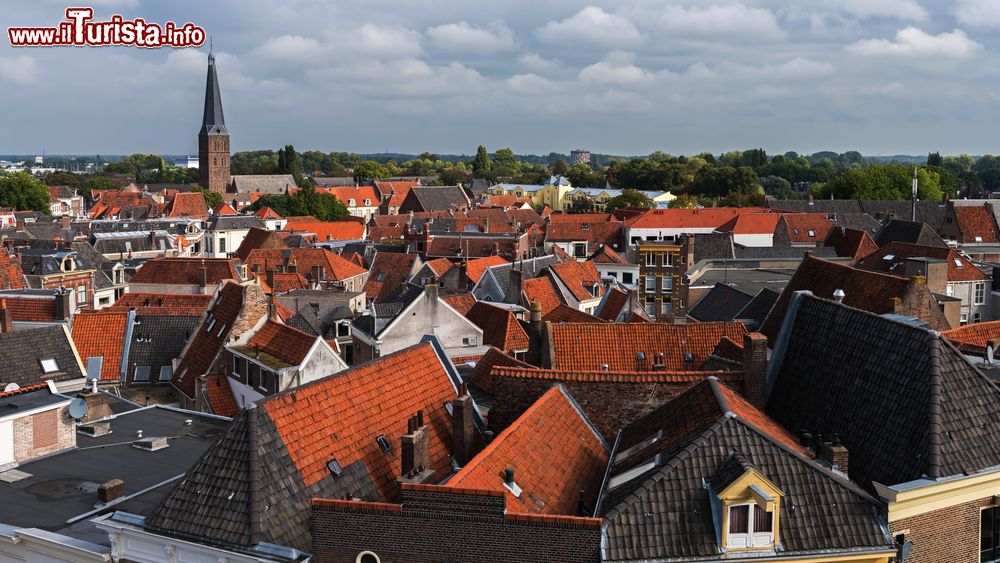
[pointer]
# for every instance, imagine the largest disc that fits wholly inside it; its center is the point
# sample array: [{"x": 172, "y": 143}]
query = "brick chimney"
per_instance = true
[
  {"x": 6, "y": 320},
  {"x": 66, "y": 221},
  {"x": 835, "y": 453},
  {"x": 754, "y": 368},
  {"x": 535, "y": 337},
  {"x": 415, "y": 458},
  {"x": 110, "y": 490},
  {"x": 64, "y": 308},
  {"x": 463, "y": 430},
  {"x": 203, "y": 275},
  {"x": 514, "y": 285}
]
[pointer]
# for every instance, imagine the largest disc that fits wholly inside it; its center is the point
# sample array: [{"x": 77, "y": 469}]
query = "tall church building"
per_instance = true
[{"x": 213, "y": 139}]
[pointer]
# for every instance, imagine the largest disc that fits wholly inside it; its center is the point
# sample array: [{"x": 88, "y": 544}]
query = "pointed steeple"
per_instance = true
[{"x": 213, "y": 122}]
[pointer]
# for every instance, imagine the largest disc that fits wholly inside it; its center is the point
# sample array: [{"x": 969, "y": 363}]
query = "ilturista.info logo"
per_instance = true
[{"x": 80, "y": 30}]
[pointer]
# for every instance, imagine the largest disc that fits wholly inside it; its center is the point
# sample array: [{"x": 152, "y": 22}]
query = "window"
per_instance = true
[
  {"x": 383, "y": 443},
  {"x": 49, "y": 365},
  {"x": 989, "y": 535},
  {"x": 580, "y": 250},
  {"x": 668, "y": 259},
  {"x": 650, "y": 283},
  {"x": 750, "y": 526},
  {"x": 812, "y": 233},
  {"x": 367, "y": 557},
  {"x": 980, "y": 293},
  {"x": 81, "y": 294},
  {"x": 166, "y": 372},
  {"x": 222, "y": 245},
  {"x": 964, "y": 319},
  {"x": 141, "y": 373},
  {"x": 627, "y": 277},
  {"x": 651, "y": 308},
  {"x": 343, "y": 330},
  {"x": 668, "y": 307},
  {"x": 977, "y": 317},
  {"x": 650, "y": 259},
  {"x": 668, "y": 283},
  {"x": 469, "y": 341},
  {"x": 950, "y": 290}
]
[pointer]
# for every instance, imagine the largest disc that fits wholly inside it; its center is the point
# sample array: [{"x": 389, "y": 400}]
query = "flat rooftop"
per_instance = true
[
  {"x": 63, "y": 487},
  {"x": 747, "y": 280}
]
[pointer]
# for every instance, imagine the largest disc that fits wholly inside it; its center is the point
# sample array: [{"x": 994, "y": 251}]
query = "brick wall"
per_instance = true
[
  {"x": 434, "y": 525},
  {"x": 950, "y": 534},
  {"x": 43, "y": 433},
  {"x": 609, "y": 405}
]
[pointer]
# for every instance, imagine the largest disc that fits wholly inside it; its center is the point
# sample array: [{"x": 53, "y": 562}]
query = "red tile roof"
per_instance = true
[
  {"x": 224, "y": 209},
  {"x": 283, "y": 342},
  {"x": 580, "y": 278},
  {"x": 477, "y": 267},
  {"x": 671, "y": 377},
  {"x": 614, "y": 301},
  {"x": 587, "y": 347},
  {"x": 186, "y": 271},
  {"x": 399, "y": 189},
  {"x": 607, "y": 255},
  {"x": 205, "y": 345},
  {"x": 581, "y": 217},
  {"x": 267, "y": 213},
  {"x": 480, "y": 377},
  {"x": 259, "y": 238},
  {"x": 891, "y": 259},
  {"x": 500, "y": 328},
  {"x": 101, "y": 334},
  {"x": 974, "y": 338},
  {"x": 274, "y": 259},
  {"x": 707, "y": 218},
  {"x": 439, "y": 266},
  {"x": 388, "y": 275},
  {"x": 543, "y": 290},
  {"x": 799, "y": 225},
  {"x": 24, "y": 308},
  {"x": 11, "y": 275},
  {"x": 976, "y": 223},
  {"x": 187, "y": 204},
  {"x": 390, "y": 232},
  {"x": 506, "y": 200},
  {"x": 751, "y": 224},
  {"x": 607, "y": 233},
  {"x": 555, "y": 454},
  {"x": 462, "y": 303},
  {"x": 743, "y": 409},
  {"x": 851, "y": 243},
  {"x": 166, "y": 304},
  {"x": 356, "y": 193},
  {"x": 567, "y": 314},
  {"x": 285, "y": 282},
  {"x": 220, "y": 396},
  {"x": 327, "y": 230},
  {"x": 339, "y": 417}
]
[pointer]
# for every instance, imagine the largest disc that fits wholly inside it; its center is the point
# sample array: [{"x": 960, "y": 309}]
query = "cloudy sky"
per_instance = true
[{"x": 628, "y": 77}]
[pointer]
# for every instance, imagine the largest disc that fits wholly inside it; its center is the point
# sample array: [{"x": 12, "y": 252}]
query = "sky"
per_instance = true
[{"x": 628, "y": 77}]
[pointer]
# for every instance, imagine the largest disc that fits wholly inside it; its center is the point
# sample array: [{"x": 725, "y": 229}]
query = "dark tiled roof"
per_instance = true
[
  {"x": 708, "y": 435},
  {"x": 530, "y": 268},
  {"x": 759, "y": 307},
  {"x": 713, "y": 246},
  {"x": 859, "y": 221},
  {"x": 157, "y": 340},
  {"x": 913, "y": 232},
  {"x": 206, "y": 344},
  {"x": 931, "y": 212},
  {"x": 721, "y": 303},
  {"x": 24, "y": 350},
  {"x": 890, "y": 257},
  {"x": 935, "y": 414},
  {"x": 817, "y": 206}
]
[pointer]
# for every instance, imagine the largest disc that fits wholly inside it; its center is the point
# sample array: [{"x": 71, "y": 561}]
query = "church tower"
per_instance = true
[{"x": 213, "y": 139}]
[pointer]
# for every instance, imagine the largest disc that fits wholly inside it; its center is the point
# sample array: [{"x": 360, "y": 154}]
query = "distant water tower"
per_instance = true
[
  {"x": 39, "y": 159},
  {"x": 579, "y": 156}
]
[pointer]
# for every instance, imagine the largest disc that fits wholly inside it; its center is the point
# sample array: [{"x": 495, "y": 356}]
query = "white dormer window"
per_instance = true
[
  {"x": 812, "y": 233},
  {"x": 368, "y": 202},
  {"x": 350, "y": 203},
  {"x": 750, "y": 526}
]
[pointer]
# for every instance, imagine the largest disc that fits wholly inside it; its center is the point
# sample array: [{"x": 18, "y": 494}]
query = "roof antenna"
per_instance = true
[{"x": 211, "y": 45}]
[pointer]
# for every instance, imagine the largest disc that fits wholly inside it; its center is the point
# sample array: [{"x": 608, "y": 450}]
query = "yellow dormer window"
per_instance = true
[{"x": 749, "y": 506}]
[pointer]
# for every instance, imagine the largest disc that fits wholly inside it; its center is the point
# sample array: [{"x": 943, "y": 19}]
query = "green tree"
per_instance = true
[
  {"x": 629, "y": 198},
  {"x": 23, "y": 192},
  {"x": 306, "y": 201},
  {"x": 290, "y": 162},
  {"x": 481, "y": 165},
  {"x": 62, "y": 178},
  {"x": 934, "y": 159},
  {"x": 882, "y": 181},
  {"x": 212, "y": 199},
  {"x": 559, "y": 167},
  {"x": 370, "y": 170},
  {"x": 777, "y": 186}
]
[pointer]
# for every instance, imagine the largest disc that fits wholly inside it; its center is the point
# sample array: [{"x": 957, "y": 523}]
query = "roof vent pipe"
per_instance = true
[{"x": 838, "y": 295}]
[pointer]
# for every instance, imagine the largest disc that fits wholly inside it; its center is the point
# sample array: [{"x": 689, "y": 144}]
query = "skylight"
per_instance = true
[
  {"x": 634, "y": 473},
  {"x": 49, "y": 365},
  {"x": 958, "y": 262},
  {"x": 628, "y": 452},
  {"x": 889, "y": 257}
]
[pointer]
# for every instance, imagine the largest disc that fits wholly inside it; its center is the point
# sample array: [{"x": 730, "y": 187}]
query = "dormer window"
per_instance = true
[
  {"x": 746, "y": 505},
  {"x": 350, "y": 203},
  {"x": 750, "y": 526}
]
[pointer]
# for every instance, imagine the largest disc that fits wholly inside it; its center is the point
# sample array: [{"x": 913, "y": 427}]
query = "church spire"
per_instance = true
[{"x": 213, "y": 122}]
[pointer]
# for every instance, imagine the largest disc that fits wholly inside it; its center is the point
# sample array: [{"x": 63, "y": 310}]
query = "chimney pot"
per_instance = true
[{"x": 508, "y": 476}]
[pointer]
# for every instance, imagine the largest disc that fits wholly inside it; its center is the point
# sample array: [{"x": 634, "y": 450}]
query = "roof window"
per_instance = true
[
  {"x": 49, "y": 365},
  {"x": 889, "y": 257},
  {"x": 383, "y": 443},
  {"x": 335, "y": 469},
  {"x": 632, "y": 450},
  {"x": 634, "y": 473},
  {"x": 958, "y": 262}
]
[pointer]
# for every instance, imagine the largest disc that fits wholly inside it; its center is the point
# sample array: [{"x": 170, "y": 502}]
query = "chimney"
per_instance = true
[
  {"x": 514, "y": 286},
  {"x": 810, "y": 199},
  {"x": 315, "y": 276},
  {"x": 203, "y": 275},
  {"x": 754, "y": 368},
  {"x": 897, "y": 306},
  {"x": 536, "y": 338},
  {"x": 64, "y": 309},
  {"x": 463, "y": 430},
  {"x": 66, "y": 221},
  {"x": 19, "y": 226},
  {"x": 431, "y": 292},
  {"x": 6, "y": 319},
  {"x": 272, "y": 307},
  {"x": 508, "y": 476},
  {"x": 415, "y": 457},
  {"x": 110, "y": 491},
  {"x": 835, "y": 453}
]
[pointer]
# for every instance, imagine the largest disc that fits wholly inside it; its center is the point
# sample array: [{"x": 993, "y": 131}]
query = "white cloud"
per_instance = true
[
  {"x": 21, "y": 70},
  {"x": 536, "y": 63},
  {"x": 530, "y": 84},
  {"x": 290, "y": 48},
  {"x": 725, "y": 20},
  {"x": 387, "y": 41},
  {"x": 591, "y": 25},
  {"x": 464, "y": 37},
  {"x": 911, "y": 41},
  {"x": 982, "y": 14},
  {"x": 895, "y": 9},
  {"x": 617, "y": 69}
]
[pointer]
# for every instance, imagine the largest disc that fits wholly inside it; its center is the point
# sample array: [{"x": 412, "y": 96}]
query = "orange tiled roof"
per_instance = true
[
  {"x": 579, "y": 277},
  {"x": 11, "y": 275},
  {"x": 614, "y": 301},
  {"x": 388, "y": 274},
  {"x": 607, "y": 232},
  {"x": 187, "y": 204},
  {"x": 439, "y": 266},
  {"x": 101, "y": 333},
  {"x": 799, "y": 226},
  {"x": 541, "y": 289},
  {"x": 743, "y": 409},
  {"x": 267, "y": 213},
  {"x": 506, "y": 200},
  {"x": 22, "y": 308},
  {"x": 477, "y": 267},
  {"x": 186, "y": 271},
  {"x": 974, "y": 338},
  {"x": 500, "y": 328},
  {"x": 672, "y": 377},
  {"x": 220, "y": 396},
  {"x": 567, "y": 314},
  {"x": 581, "y": 217},
  {"x": 283, "y": 342},
  {"x": 480, "y": 377},
  {"x": 555, "y": 454},
  {"x": 327, "y": 230},
  {"x": 891, "y": 258},
  {"x": 167, "y": 304},
  {"x": 285, "y": 282},
  {"x": 339, "y": 417},
  {"x": 607, "y": 255},
  {"x": 224, "y": 209},
  {"x": 259, "y": 238},
  {"x": 392, "y": 232},
  {"x": 586, "y": 347},
  {"x": 356, "y": 193},
  {"x": 850, "y": 243},
  {"x": 399, "y": 189},
  {"x": 976, "y": 223},
  {"x": 751, "y": 224},
  {"x": 462, "y": 302},
  {"x": 707, "y": 218},
  {"x": 270, "y": 259},
  {"x": 205, "y": 344}
]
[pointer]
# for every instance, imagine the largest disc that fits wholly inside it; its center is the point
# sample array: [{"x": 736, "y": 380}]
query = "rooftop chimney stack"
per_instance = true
[
  {"x": 6, "y": 319},
  {"x": 463, "y": 429},
  {"x": 755, "y": 368},
  {"x": 835, "y": 453},
  {"x": 413, "y": 447}
]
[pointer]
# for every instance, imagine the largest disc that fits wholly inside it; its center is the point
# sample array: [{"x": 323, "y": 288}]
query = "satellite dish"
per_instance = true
[
  {"x": 78, "y": 409},
  {"x": 989, "y": 355},
  {"x": 11, "y": 387},
  {"x": 905, "y": 549}
]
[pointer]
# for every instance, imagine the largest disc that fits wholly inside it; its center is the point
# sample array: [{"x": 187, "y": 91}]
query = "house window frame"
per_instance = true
[
  {"x": 750, "y": 537},
  {"x": 651, "y": 287},
  {"x": 996, "y": 527},
  {"x": 979, "y": 293}
]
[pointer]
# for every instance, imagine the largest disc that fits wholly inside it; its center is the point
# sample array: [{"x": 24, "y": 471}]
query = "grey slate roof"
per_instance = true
[
  {"x": 234, "y": 222},
  {"x": 859, "y": 221},
  {"x": 213, "y": 122},
  {"x": 936, "y": 415},
  {"x": 530, "y": 268},
  {"x": 772, "y": 252},
  {"x": 758, "y": 307},
  {"x": 434, "y": 198},
  {"x": 267, "y": 183},
  {"x": 156, "y": 341},
  {"x": 24, "y": 350},
  {"x": 667, "y": 513},
  {"x": 713, "y": 246},
  {"x": 817, "y": 206},
  {"x": 931, "y": 212},
  {"x": 721, "y": 303},
  {"x": 913, "y": 232}
]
